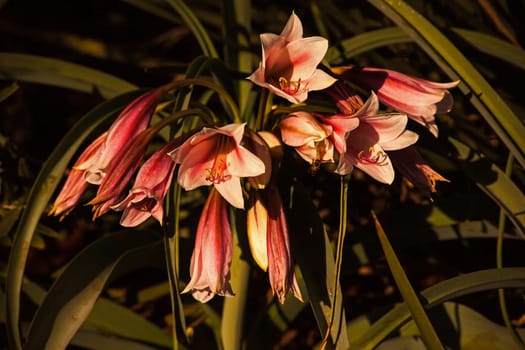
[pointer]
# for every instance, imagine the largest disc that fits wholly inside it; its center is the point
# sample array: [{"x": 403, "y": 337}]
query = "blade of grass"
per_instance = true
[
  {"x": 485, "y": 99},
  {"x": 419, "y": 315}
]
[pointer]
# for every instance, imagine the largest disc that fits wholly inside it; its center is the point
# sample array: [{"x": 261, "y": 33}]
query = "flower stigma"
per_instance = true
[
  {"x": 218, "y": 172},
  {"x": 374, "y": 157}
]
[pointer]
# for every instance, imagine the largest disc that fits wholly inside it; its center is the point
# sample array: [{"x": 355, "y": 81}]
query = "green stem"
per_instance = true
[
  {"x": 178, "y": 84},
  {"x": 261, "y": 110},
  {"x": 343, "y": 207},
  {"x": 499, "y": 263}
]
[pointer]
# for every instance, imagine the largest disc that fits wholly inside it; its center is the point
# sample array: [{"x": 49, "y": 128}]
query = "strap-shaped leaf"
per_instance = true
[
  {"x": 195, "y": 26},
  {"x": 485, "y": 99},
  {"x": 42, "y": 190},
  {"x": 509, "y": 277},
  {"x": 315, "y": 258},
  {"x": 419, "y": 315},
  {"x": 51, "y": 71},
  {"x": 495, "y": 183},
  {"x": 72, "y": 297},
  {"x": 374, "y": 39}
]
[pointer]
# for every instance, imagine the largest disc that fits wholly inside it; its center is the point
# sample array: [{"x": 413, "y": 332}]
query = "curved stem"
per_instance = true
[{"x": 178, "y": 84}]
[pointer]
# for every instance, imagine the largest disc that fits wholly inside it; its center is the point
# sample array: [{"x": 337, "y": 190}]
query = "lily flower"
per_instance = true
[
  {"x": 130, "y": 122},
  {"x": 308, "y": 136},
  {"x": 376, "y": 133},
  {"x": 215, "y": 156},
  {"x": 75, "y": 184},
  {"x": 412, "y": 166},
  {"x": 268, "y": 232},
  {"x": 212, "y": 255},
  {"x": 119, "y": 173},
  {"x": 289, "y": 63},
  {"x": 153, "y": 180},
  {"x": 280, "y": 263},
  {"x": 420, "y": 99}
]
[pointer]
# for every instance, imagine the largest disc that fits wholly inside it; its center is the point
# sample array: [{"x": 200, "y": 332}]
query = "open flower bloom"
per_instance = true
[
  {"x": 212, "y": 255},
  {"x": 289, "y": 63},
  {"x": 409, "y": 162},
  {"x": 420, "y": 99},
  {"x": 215, "y": 156},
  {"x": 376, "y": 133},
  {"x": 75, "y": 184},
  {"x": 308, "y": 136},
  {"x": 153, "y": 180},
  {"x": 130, "y": 122}
]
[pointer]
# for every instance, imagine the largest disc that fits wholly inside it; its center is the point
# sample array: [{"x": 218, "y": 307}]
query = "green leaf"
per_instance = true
[
  {"x": 374, "y": 39},
  {"x": 50, "y": 71},
  {"x": 364, "y": 42},
  {"x": 469, "y": 283},
  {"x": 485, "y": 99},
  {"x": 315, "y": 258},
  {"x": 462, "y": 328},
  {"x": 234, "y": 309},
  {"x": 428, "y": 333},
  {"x": 493, "y": 46},
  {"x": 195, "y": 26},
  {"x": 42, "y": 190},
  {"x": 72, "y": 297},
  {"x": 495, "y": 183},
  {"x": 8, "y": 91}
]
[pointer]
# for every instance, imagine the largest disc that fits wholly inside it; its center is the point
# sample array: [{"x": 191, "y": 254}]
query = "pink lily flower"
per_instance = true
[
  {"x": 130, "y": 122},
  {"x": 215, "y": 156},
  {"x": 289, "y": 63},
  {"x": 153, "y": 180},
  {"x": 420, "y": 99},
  {"x": 280, "y": 263},
  {"x": 75, "y": 184},
  {"x": 119, "y": 173},
  {"x": 212, "y": 255},
  {"x": 308, "y": 136},
  {"x": 366, "y": 144},
  {"x": 413, "y": 167}
]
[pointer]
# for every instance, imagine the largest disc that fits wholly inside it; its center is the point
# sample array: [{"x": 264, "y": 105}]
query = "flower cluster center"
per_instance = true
[{"x": 372, "y": 156}]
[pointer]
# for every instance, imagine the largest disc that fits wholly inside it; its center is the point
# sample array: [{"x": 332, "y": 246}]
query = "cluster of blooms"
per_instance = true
[{"x": 220, "y": 156}]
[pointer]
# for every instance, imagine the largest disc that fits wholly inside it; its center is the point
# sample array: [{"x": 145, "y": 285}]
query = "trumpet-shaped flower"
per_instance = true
[
  {"x": 153, "y": 180},
  {"x": 130, "y": 122},
  {"x": 366, "y": 144},
  {"x": 119, "y": 174},
  {"x": 308, "y": 136},
  {"x": 412, "y": 166},
  {"x": 269, "y": 241},
  {"x": 289, "y": 63},
  {"x": 215, "y": 156},
  {"x": 212, "y": 255},
  {"x": 75, "y": 184},
  {"x": 420, "y": 99}
]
